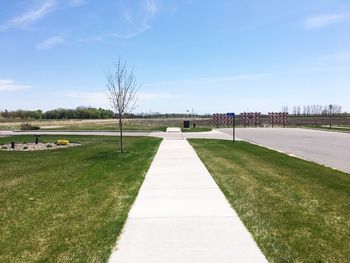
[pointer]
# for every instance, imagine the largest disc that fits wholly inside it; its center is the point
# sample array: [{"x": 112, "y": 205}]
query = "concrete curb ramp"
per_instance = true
[
  {"x": 173, "y": 133},
  {"x": 180, "y": 215}
]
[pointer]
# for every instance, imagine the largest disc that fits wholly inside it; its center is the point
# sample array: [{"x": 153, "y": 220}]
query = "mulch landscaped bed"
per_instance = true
[{"x": 36, "y": 147}]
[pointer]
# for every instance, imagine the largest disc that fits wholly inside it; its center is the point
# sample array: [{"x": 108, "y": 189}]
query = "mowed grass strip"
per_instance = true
[
  {"x": 69, "y": 205},
  {"x": 106, "y": 127},
  {"x": 198, "y": 129},
  {"x": 297, "y": 211}
]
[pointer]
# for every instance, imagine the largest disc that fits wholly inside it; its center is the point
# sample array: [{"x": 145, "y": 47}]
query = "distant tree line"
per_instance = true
[
  {"x": 78, "y": 113},
  {"x": 99, "y": 113},
  {"x": 21, "y": 114},
  {"x": 159, "y": 115},
  {"x": 315, "y": 110},
  {"x": 87, "y": 113}
]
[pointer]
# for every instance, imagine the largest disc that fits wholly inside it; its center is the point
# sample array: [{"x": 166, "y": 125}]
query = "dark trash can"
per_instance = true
[{"x": 186, "y": 124}]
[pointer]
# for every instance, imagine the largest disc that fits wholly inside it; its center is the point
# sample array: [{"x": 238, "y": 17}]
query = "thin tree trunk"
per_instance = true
[{"x": 121, "y": 134}]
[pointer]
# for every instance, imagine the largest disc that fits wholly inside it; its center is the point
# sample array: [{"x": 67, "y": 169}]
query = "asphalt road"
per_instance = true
[{"x": 328, "y": 148}]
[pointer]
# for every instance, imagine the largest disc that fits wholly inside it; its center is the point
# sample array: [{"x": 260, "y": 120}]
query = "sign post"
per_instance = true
[
  {"x": 232, "y": 116},
  {"x": 330, "y": 116}
]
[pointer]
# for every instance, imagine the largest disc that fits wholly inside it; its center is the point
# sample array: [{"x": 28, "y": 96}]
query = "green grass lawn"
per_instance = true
[
  {"x": 69, "y": 205},
  {"x": 297, "y": 211},
  {"x": 145, "y": 128},
  {"x": 93, "y": 125},
  {"x": 113, "y": 127},
  {"x": 199, "y": 129}
]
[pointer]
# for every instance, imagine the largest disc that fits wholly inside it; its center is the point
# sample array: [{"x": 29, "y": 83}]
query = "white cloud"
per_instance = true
[
  {"x": 31, "y": 16},
  {"x": 50, "y": 43},
  {"x": 11, "y": 85},
  {"x": 325, "y": 20}
]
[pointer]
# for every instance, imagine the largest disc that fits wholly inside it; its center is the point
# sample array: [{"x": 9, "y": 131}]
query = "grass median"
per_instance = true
[
  {"x": 69, "y": 205},
  {"x": 297, "y": 211},
  {"x": 199, "y": 129},
  {"x": 113, "y": 127}
]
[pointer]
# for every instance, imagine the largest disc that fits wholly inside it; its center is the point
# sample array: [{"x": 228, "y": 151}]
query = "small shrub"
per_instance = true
[
  {"x": 24, "y": 142},
  {"x": 62, "y": 142},
  {"x": 4, "y": 147},
  {"x": 27, "y": 126},
  {"x": 49, "y": 146}
]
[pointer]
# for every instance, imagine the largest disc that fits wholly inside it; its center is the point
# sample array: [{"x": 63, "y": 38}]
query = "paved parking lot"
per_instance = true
[{"x": 328, "y": 148}]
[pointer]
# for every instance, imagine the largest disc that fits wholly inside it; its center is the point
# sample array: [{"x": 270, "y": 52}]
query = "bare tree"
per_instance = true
[
  {"x": 122, "y": 91},
  {"x": 285, "y": 109}
]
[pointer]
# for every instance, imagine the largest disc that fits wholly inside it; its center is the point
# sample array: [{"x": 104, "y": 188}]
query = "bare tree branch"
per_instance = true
[{"x": 122, "y": 91}]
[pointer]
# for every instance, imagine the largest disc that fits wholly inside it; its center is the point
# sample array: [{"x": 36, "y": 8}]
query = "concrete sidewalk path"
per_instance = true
[
  {"x": 173, "y": 133},
  {"x": 180, "y": 215}
]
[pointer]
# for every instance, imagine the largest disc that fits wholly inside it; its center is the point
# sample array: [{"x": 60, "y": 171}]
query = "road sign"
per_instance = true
[{"x": 231, "y": 114}]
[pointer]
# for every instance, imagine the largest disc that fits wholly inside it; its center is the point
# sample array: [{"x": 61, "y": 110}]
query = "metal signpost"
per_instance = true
[
  {"x": 330, "y": 116},
  {"x": 232, "y": 115}
]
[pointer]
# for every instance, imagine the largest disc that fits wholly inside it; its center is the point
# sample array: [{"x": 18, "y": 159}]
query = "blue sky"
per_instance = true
[{"x": 212, "y": 56}]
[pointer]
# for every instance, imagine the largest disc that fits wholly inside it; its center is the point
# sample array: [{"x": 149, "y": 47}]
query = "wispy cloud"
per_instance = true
[
  {"x": 99, "y": 98},
  {"x": 50, "y": 42},
  {"x": 325, "y": 20},
  {"x": 338, "y": 57},
  {"x": 103, "y": 37},
  {"x": 137, "y": 16},
  {"x": 90, "y": 39},
  {"x": 76, "y": 2},
  {"x": 125, "y": 36},
  {"x": 156, "y": 96},
  {"x": 150, "y": 10},
  {"x": 201, "y": 82},
  {"x": 89, "y": 98},
  {"x": 139, "y": 19},
  {"x": 127, "y": 16},
  {"x": 151, "y": 7},
  {"x": 31, "y": 16},
  {"x": 101, "y": 95},
  {"x": 11, "y": 85}
]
